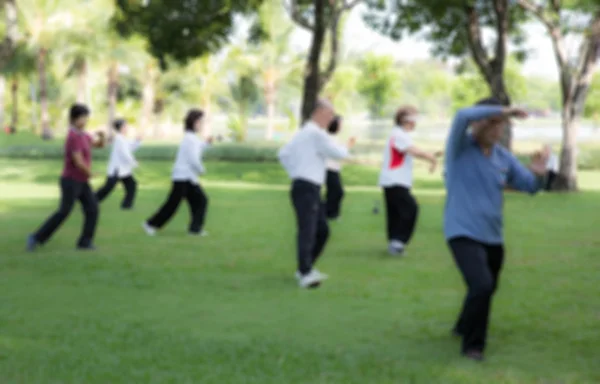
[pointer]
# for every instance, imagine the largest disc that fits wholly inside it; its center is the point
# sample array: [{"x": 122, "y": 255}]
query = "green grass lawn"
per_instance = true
[{"x": 226, "y": 309}]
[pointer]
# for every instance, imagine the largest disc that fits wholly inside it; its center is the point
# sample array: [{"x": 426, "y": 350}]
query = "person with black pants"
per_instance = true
[
  {"x": 335, "y": 189},
  {"x": 304, "y": 159},
  {"x": 396, "y": 179},
  {"x": 478, "y": 170},
  {"x": 188, "y": 166},
  {"x": 120, "y": 166},
  {"x": 552, "y": 167},
  {"x": 74, "y": 183}
]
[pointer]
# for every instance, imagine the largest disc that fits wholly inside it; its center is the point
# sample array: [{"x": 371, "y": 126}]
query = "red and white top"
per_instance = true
[{"x": 397, "y": 168}]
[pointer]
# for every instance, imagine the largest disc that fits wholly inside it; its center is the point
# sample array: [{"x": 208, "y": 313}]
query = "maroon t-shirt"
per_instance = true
[{"x": 77, "y": 141}]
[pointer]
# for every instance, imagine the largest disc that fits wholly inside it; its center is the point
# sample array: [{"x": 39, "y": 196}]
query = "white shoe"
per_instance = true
[
  {"x": 396, "y": 248},
  {"x": 201, "y": 234},
  {"x": 312, "y": 280},
  {"x": 150, "y": 230},
  {"x": 323, "y": 276}
]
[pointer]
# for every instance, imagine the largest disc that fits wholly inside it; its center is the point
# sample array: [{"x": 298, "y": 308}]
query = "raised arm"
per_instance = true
[
  {"x": 457, "y": 139},
  {"x": 328, "y": 148}
]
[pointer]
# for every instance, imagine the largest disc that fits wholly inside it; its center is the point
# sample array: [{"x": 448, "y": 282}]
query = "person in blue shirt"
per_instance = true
[{"x": 478, "y": 169}]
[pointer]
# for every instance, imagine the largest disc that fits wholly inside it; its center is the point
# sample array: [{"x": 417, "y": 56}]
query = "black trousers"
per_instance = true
[
  {"x": 480, "y": 266},
  {"x": 197, "y": 201},
  {"x": 72, "y": 190},
  {"x": 334, "y": 194},
  {"x": 402, "y": 212},
  {"x": 313, "y": 230},
  {"x": 130, "y": 185},
  {"x": 550, "y": 180}
]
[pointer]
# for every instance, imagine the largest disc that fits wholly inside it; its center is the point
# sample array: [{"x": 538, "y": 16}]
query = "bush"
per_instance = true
[{"x": 222, "y": 152}]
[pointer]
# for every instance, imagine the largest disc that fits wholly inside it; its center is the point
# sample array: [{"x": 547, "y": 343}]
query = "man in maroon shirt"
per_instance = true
[{"x": 74, "y": 183}]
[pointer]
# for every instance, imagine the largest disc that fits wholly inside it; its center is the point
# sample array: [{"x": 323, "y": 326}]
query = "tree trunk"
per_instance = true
[
  {"x": 14, "y": 91},
  {"x": 7, "y": 46},
  {"x": 113, "y": 88},
  {"x": 82, "y": 83},
  {"x": 44, "y": 114},
  {"x": 148, "y": 100},
  {"x": 312, "y": 73},
  {"x": 270, "y": 98},
  {"x": 567, "y": 175}
]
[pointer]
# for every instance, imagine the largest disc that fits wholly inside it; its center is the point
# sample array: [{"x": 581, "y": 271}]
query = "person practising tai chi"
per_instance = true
[
  {"x": 74, "y": 182},
  {"x": 396, "y": 179},
  {"x": 335, "y": 188},
  {"x": 120, "y": 166},
  {"x": 304, "y": 159},
  {"x": 188, "y": 166},
  {"x": 477, "y": 170}
]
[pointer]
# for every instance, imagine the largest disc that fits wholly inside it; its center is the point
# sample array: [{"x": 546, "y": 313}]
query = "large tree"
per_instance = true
[
  {"x": 561, "y": 20},
  {"x": 181, "y": 29},
  {"x": 319, "y": 17},
  {"x": 455, "y": 27}
]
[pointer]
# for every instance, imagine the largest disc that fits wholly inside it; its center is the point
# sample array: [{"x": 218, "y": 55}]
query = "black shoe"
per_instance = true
[
  {"x": 86, "y": 248},
  {"x": 474, "y": 355}
]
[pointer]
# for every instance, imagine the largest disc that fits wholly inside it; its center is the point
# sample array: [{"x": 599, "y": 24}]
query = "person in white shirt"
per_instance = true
[
  {"x": 396, "y": 179},
  {"x": 304, "y": 159},
  {"x": 552, "y": 167},
  {"x": 120, "y": 166},
  {"x": 335, "y": 189},
  {"x": 188, "y": 166}
]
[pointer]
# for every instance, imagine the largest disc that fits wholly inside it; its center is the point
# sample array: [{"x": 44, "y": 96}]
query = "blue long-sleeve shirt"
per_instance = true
[{"x": 475, "y": 182}]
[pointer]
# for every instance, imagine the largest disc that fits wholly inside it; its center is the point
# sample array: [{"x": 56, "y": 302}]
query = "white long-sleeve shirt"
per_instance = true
[
  {"x": 397, "y": 167},
  {"x": 305, "y": 156},
  {"x": 553, "y": 163},
  {"x": 122, "y": 162},
  {"x": 188, "y": 163}
]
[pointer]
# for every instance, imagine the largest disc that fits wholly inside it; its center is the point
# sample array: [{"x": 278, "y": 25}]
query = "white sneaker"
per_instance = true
[
  {"x": 396, "y": 248},
  {"x": 150, "y": 230},
  {"x": 201, "y": 234},
  {"x": 323, "y": 276},
  {"x": 312, "y": 280}
]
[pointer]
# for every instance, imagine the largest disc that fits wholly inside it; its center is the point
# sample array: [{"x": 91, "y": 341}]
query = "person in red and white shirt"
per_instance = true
[{"x": 396, "y": 179}]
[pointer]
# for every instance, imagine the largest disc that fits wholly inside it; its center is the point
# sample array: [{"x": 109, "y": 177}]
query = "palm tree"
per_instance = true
[
  {"x": 21, "y": 63},
  {"x": 272, "y": 57},
  {"x": 43, "y": 20}
]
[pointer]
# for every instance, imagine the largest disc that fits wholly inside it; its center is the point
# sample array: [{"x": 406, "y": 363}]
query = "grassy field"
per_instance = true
[{"x": 226, "y": 309}]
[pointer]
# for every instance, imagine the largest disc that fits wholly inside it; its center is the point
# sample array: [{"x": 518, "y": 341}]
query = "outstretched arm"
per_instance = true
[
  {"x": 527, "y": 180},
  {"x": 328, "y": 148}
]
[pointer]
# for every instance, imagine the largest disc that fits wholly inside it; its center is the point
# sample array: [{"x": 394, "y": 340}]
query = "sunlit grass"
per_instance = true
[{"x": 225, "y": 309}]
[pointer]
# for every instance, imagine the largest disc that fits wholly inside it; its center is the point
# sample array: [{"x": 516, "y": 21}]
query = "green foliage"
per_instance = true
[
  {"x": 181, "y": 29},
  {"x": 592, "y": 104},
  {"x": 222, "y": 152},
  {"x": 379, "y": 83},
  {"x": 341, "y": 89},
  {"x": 441, "y": 22}
]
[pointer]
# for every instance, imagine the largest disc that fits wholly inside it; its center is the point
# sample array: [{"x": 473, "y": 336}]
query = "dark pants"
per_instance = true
[
  {"x": 334, "y": 195},
  {"x": 402, "y": 212},
  {"x": 71, "y": 191},
  {"x": 197, "y": 201},
  {"x": 130, "y": 188},
  {"x": 550, "y": 180},
  {"x": 311, "y": 221},
  {"x": 480, "y": 266}
]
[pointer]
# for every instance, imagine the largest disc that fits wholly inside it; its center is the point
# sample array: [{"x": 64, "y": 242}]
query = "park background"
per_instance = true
[{"x": 225, "y": 309}]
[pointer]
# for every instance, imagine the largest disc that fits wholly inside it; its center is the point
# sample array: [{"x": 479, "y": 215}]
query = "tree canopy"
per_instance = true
[{"x": 181, "y": 29}]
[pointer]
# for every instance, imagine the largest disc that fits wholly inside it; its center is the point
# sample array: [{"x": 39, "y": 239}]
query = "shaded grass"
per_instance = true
[{"x": 225, "y": 309}]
